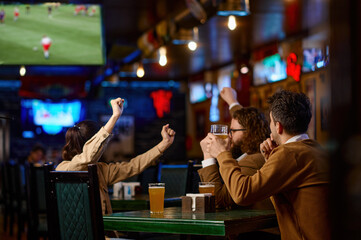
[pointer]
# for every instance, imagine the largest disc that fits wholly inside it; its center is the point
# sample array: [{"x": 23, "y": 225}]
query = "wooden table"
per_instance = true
[
  {"x": 140, "y": 202},
  {"x": 221, "y": 223}
]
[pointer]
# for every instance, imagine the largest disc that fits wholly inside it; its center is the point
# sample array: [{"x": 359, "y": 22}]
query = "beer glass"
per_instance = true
[
  {"x": 220, "y": 130},
  {"x": 156, "y": 197},
  {"x": 206, "y": 187}
]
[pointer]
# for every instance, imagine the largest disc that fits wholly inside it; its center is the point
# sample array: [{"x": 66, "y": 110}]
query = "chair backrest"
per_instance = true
[
  {"x": 175, "y": 177},
  {"x": 36, "y": 197},
  {"x": 194, "y": 178},
  {"x": 73, "y": 204},
  {"x": 149, "y": 175}
]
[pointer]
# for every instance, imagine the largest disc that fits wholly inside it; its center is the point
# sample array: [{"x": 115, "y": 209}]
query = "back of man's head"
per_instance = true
[{"x": 292, "y": 110}]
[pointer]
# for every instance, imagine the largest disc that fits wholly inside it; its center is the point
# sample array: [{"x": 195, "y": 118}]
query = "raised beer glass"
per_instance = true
[{"x": 220, "y": 130}]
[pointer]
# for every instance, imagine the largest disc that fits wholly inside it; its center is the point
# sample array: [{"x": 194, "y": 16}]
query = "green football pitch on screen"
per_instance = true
[{"x": 75, "y": 32}]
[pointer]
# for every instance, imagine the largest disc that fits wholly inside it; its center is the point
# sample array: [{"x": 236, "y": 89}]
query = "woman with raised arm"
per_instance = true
[{"x": 86, "y": 142}]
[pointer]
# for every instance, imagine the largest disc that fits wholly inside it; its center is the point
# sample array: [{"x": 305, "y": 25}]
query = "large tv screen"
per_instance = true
[
  {"x": 49, "y": 117},
  {"x": 51, "y": 34}
]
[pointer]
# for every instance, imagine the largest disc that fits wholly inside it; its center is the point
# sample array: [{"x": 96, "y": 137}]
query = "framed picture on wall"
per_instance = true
[
  {"x": 200, "y": 124},
  {"x": 325, "y": 113},
  {"x": 310, "y": 91}
]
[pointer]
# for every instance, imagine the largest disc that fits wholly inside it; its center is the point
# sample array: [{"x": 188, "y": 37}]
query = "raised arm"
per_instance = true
[
  {"x": 117, "y": 107},
  {"x": 168, "y": 135},
  {"x": 229, "y": 95}
]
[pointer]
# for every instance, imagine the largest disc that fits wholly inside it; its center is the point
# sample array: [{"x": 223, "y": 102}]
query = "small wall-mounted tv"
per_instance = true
[
  {"x": 49, "y": 117},
  {"x": 73, "y": 31},
  {"x": 270, "y": 69},
  {"x": 314, "y": 58},
  {"x": 197, "y": 92}
]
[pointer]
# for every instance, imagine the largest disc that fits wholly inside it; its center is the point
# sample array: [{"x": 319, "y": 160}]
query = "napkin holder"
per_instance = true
[{"x": 198, "y": 203}]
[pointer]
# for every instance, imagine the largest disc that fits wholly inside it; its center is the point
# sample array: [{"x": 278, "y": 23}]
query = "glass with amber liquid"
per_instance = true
[
  {"x": 220, "y": 130},
  {"x": 206, "y": 187},
  {"x": 156, "y": 197}
]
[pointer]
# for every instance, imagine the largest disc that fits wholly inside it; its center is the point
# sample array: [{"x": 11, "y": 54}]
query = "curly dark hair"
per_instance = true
[
  {"x": 77, "y": 136},
  {"x": 257, "y": 128},
  {"x": 292, "y": 110}
]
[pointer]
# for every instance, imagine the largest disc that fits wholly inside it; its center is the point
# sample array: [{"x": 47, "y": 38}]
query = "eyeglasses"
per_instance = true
[{"x": 236, "y": 130}]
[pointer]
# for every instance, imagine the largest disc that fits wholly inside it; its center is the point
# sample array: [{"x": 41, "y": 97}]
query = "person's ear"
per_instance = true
[{"x": 279, "y": 127}]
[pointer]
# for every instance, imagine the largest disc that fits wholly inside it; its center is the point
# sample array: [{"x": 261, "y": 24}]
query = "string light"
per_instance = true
[
  {"x": 140, "y": 70},
  {"x": 232, "y": 22},
  {"x": 192, "y": 45},
  {"x": 162, "y": 56},
  {"x": 22, "y": 71}
]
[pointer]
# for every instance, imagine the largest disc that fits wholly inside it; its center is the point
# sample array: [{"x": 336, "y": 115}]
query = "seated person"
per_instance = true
[
  {"x": 86, "y": 142},
  {"x": 248, "y": 130},
  {"x": 295, "y": 175},
  {"x": 36, "y": 156}
]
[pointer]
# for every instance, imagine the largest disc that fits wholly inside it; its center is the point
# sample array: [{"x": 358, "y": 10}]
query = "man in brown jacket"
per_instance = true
[
  {"x": 248, "y": 130},
  {"x": 295, "y": 174}
]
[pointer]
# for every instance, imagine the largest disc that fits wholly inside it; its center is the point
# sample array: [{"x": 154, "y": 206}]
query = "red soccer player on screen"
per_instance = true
[
  {"x": 46, "y": 43},
  {"x": 16, "y": 13}
]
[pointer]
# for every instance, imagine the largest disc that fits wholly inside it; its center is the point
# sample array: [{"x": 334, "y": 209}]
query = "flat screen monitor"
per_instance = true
[
  {"x": 48, "y": 117},
  {"x": 51, "y": 34},
  {"x": 268, "y": 70},
  {"x": 197, "y": 92},
  {"x": 313, "y": 58}
]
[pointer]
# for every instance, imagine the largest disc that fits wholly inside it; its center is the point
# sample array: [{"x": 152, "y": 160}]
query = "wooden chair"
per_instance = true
[
  {"x": 36, "y": 199},
  {"x": 176, "y": 178},
  {"x": 73, "y": 204}
]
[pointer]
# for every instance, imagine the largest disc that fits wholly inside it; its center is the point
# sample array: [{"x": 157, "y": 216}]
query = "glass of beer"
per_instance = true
[
  {"x": 156, "y": 197},
  {"x": 220, "y": 130},
  {"x": 206, "y": 187}
]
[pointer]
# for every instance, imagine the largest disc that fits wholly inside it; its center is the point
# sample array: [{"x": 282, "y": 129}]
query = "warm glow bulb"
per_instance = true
[
  {"x": 192, "y": 45},
  {"x": 22, "y": 71},
  {"x": 162, "y": 60},
  {"x": 140, "y": 71},
  {"x": 162, "y": 51},
  {"x": 232, "y": 22},
  {"x": 244, "y": 70}
]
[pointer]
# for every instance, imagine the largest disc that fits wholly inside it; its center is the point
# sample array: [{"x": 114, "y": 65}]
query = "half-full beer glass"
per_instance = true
[
  {"x": 156, "y": 197},
  {"x": 206, "y": 187},
  {"x": 220, "y": 130}
]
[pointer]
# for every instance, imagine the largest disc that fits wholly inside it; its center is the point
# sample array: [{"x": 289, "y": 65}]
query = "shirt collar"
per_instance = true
[
  {"x": 241, "y": 157},
  {"x": 297, "y": 138}
]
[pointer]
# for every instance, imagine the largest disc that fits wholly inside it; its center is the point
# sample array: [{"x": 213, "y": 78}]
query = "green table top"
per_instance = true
[
  {"x": 140, "y": 203},
  {"x": 220, "y": 223}
]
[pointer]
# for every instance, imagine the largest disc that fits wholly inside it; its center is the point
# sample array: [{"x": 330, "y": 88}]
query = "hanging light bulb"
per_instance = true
[
  {"x": 232, "y": 22},
  {"x": 192, "y": 45},
  {"x": 22, "y": 71},
  {"x": 140, "y": 70},
  {"x": 162, "y": 56},
  {"x": 163, "y": 60}
]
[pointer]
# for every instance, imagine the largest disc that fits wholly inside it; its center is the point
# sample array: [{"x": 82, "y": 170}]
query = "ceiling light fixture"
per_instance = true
[
  {"x": 192, "y": 45},
  {"x": 140, "y": 70},
  {"x": 22, "y": 71},
  {"x": 232, "y": 22},
  {"x": 244, "y": 69},
  {"x": 233, "y": 7},
  {"x": 162, "y": 56}
]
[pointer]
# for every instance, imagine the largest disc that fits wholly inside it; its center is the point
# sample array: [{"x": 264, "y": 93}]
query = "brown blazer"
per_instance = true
[
  {"x": 248, "y": 166},
  {"x": 296, "y": 176},
  {"x": 108, "y": 173}
]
